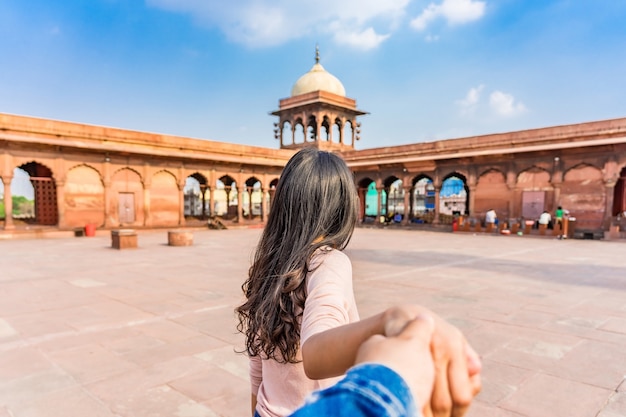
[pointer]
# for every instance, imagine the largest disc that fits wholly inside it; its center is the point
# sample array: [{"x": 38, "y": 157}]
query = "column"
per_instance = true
[
  {"x": 250, "y": 191},
  {"x": 272, "y": 191},
  {"x": 239, "y": 204},
  {"x": 107, "y": 205},
  {"x": 8, "y": 203},
  {"x": 609, "y": 190},
  {"x": 203, "y": 189},
  {"x": 362, "y": 193},
  {"x": 60, "y": 186},
  {"x": 380, "y": 203},
  {"x": 471, "y": 200},
  {"x": 211, "y": 201},
  {"x": 264, "y": 197},
  {"x": 437, "y": 191},
  {"x": 407, "y": 209},
  {"x": 181, "y": 204},
  {"x": 147, "y": 216}
]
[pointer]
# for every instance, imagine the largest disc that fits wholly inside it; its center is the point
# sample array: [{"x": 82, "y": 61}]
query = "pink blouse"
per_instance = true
[{"x": 281, "y": 388}]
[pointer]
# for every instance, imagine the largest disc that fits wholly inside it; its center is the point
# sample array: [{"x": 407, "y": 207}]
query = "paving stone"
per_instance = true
[
  {"x": 549, "y": 396},
  {"x": 149, "y": 332}
]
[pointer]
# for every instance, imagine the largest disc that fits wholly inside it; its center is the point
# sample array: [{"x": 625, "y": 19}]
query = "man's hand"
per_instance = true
[
  {"x": 408, "y": 354},
  {"x": 457, "y": 365}
]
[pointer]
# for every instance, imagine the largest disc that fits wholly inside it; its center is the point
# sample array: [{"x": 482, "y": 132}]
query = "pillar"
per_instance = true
[
  {"x": 437, "y": 191},
  {"x": 181, "y": 204},
  {"x": 147, "y": 216},
  {"x": 264, "y": 197},
  {"x": 362, "y": 193},
  {"x": 472, "y": 200},
  {"x": 407, "y": 193},
  {"x": 250, "y": 191},
  {"x": 60, "y": 186},
  {"x": 8, "y": 204},
  {"x": 107, "y": 204},
  {"x": 609, "y": 190},
  {"x": 211, "y": 201},
  {"x": 239, "y": 204},
  {"x": 203, "y": 189},
  {"x": 380, "y": 202}
]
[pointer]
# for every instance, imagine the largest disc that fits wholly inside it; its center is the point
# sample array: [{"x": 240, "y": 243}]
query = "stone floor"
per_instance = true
[{"x": 86, "y": 330}]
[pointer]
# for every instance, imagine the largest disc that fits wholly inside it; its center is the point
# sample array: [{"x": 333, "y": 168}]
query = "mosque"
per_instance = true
[{"x": 107, "y": 177}]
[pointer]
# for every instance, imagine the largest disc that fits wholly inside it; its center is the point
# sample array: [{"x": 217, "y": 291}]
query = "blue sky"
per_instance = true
[{"x": 213, "y": 69}]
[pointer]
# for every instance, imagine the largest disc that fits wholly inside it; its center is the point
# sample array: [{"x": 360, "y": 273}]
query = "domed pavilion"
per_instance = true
[{"x": 318, "y": 113}]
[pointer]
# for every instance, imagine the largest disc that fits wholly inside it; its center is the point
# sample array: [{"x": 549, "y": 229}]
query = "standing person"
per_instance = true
[
  {"x": 558, "y": 218},
  {"x": 491, "y": 218},
  {"x": 300, "y": 320}
]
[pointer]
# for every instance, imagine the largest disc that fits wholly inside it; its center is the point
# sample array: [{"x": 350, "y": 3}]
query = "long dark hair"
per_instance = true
[{"x": 314, "y": 206}]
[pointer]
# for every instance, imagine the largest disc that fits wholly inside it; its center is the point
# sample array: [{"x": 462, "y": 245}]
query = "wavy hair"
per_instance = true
[{"x": 314, "y": 206}]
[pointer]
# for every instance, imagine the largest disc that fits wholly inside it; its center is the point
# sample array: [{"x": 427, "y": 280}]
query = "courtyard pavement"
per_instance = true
[{"x": 86, "y": 330}]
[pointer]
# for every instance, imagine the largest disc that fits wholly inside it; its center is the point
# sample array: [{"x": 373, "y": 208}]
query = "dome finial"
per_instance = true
[{"x": 317, "y": 54}]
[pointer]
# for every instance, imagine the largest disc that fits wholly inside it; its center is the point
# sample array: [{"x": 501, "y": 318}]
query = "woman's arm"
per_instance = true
[
  {"x": 332, "y": 352},
  {"x": 457, "y": 366}
]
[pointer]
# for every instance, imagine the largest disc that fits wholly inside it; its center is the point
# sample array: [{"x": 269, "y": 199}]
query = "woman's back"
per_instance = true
[{"x": 330, "y": 303}]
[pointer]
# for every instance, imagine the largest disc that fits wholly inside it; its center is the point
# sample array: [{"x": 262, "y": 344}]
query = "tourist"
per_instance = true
[
  {"x": 558, "y": 216},
  {"x": 545, "y": 219},
  {"x": 393, "y": 376},
  {"x": 491, "y": 217},
  {"x": 296, "y": 347}
]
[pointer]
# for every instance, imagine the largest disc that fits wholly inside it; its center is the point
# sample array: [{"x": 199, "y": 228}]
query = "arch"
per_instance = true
[
  {"x": 534, "y": 184},
  {"x": 453, "y": 196},
  {"x": 619, "y": 195},
  {"x": 583, "y": 194},
  {"x": 252, "y": 198},
  {"x": 336, "y": 131},
  {"x": 164, "y": 199},
  {"x": 533, "y": 178},
  {"x": 325, "y": 135},
  {"x": 127, "y": 202},
  {"x": 348, "y": 132},
  {"x": 44, "y": 193},
  {"x": 492, "y": 193},
  {"x": 395, "y": 197},
  {"x": 286, "y": 133},
  {"x": 299, "y": 134},
  {"x": 84, "y": 197},
  {"x": 422, "y": 199},
  {"x": 202, "y": 180},
  {"x": 226, "y": 197},
  {"x": 193, "y": 196}
]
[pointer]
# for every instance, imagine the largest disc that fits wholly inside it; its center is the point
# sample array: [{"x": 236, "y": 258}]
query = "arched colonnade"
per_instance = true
[
  {"x": 593, "y": 193},
  {"x": 120, "y": 193}
]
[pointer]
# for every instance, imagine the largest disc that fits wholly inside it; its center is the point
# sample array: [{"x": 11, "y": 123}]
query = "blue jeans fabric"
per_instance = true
[{"x": 368, "y": 390}]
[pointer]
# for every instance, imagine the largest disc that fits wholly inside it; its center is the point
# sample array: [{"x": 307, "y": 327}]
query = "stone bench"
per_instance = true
[
  {"x": 179, "y": 238},
  {"x": 123, "y": 239}
]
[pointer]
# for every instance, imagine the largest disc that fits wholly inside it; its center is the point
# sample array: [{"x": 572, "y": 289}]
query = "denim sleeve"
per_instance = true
[{"x": 368, "y": 390}]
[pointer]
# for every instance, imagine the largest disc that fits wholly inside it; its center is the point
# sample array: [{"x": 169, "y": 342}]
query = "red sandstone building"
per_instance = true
[{"x": 112, "y": 177}]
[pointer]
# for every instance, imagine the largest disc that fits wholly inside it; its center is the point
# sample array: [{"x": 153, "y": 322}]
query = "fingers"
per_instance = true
[
  {"x": 474, "y": 364},
  {"x": 457, "y": 372},
  {"x": 421, "y": 329}
]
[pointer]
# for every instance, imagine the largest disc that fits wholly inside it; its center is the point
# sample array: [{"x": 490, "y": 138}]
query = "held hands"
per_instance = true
[
  {"x": 408, "y": 354},
  {"x": 457, "y": 365}
]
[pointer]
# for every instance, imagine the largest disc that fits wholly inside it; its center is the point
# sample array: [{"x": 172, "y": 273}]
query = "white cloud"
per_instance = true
[
  {"x": 469, "y": 103},
  {"x": 367, "y": 39},
  {"x": 453, "y": 11},
  {"x": 505, "y": 105},
  {"x": 258, "y": 23}
]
